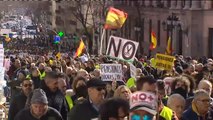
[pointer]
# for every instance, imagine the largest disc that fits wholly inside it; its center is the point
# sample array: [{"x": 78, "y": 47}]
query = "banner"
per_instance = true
[
  {"x": 122, "y": 48},
  {"x": 132, "y": 70},
  {"x": 110, "y": 72},
  {"x": 164, "y": 62}
]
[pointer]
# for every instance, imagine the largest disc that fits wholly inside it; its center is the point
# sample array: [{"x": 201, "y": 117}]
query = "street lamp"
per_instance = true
[{"x": 172, "y": 22}]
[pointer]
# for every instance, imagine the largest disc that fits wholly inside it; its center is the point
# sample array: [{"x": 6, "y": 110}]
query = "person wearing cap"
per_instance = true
[
  {"x": 18, "y": 102},
  {"x": 89, "y": 109},
  {"x": 143, "y": 106},
  {"x": 39, "y": 109}
]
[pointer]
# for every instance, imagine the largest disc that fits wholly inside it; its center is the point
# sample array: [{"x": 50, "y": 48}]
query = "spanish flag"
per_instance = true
[
  {"x": 115, "y": 18},
  {"x": 169, "y": 46},
  {"x": 80, "y": 49},
  {"x": 153, "y": 44}
]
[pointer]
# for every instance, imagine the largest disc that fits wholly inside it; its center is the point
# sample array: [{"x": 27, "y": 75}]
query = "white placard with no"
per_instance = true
[
  {"x": 110, "y": 72},
  {"x": 122, "y": 48}
]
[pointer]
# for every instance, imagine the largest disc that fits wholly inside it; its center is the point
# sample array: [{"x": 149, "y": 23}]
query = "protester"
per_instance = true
[
  {"x": 39, "y": 109},
  {"x": 55, "y": 97},
  {"x": 114, "y": 109},
  {"x": 146, "y": 84},
  {"x": 181, "y": 86},
  {"x": 90, "y": 108},
  {"x": 122, "y": 92},
  {"x": 80, "y": 89},
  {"x": 177, "y": 103},
  {"x": 200, "y": 108},
  {"x": 19, "y": 101},
  {"x": 143, "y": 106},
  {"x": 203, "y": 85}
]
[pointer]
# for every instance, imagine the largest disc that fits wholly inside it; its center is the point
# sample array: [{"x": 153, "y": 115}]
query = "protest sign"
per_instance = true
[
  {"x": 7, "y": 64},
  {"x": 110, "y": 72},
  {"x": 132, "y": 70},
  {"x": 122, "y": 48},
  {"x": 164, "y": 62},
  {"x": 1, "y": 55}
]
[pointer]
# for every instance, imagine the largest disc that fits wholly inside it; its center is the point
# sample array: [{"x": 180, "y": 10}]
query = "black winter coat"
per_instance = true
[
  {"x": 17, "y": 104},
  {"x": 83, "y": 111},
  {"x": 52, "y": 114},
  {"x": 56, "y": 100}
]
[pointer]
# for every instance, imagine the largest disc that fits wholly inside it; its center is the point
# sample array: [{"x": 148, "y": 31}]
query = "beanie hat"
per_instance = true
[{"x": 39, "y": 96}]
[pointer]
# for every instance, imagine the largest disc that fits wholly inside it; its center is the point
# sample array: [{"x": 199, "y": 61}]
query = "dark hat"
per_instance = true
[
  {"x": 39, "y": 96},
  {"x": 95, "y": 82},
  {"x": 179, "y": 69}
]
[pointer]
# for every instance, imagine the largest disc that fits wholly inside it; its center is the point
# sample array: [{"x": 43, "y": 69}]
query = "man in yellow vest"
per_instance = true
[
  {"x": 164, "y": 113},
  {"x": 62, "y": 86}
]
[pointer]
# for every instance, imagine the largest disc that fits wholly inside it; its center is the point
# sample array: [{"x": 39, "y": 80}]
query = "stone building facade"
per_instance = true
[{"x": 191, "y": 26}]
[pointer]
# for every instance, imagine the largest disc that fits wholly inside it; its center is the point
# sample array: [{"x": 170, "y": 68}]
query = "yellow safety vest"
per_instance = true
[
  {"x": 166, "y": 113},
  {"x": 69, "y": 101},
  {"x": 42, "y": 76}
]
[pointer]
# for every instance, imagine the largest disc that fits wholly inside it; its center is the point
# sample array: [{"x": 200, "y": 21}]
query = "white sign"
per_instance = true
[
  {"x": 110, "y": 72},
  {"x": 7, "y": 64},
  {"x": 1, "y": 55},
  {"x": 132, "y": 70},
  {"x": 122, "y": 48},
  {"x": 2, "y": 71}
]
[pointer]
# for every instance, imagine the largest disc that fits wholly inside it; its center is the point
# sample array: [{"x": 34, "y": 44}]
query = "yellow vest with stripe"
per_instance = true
[
  {"x": 69, "y": 101},
  {"x": 166, "y": 113}
]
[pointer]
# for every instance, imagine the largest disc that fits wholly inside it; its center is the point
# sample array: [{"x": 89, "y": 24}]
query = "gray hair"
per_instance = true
[
  {"x": 199, "y": 93},
  {"x": 175, "y": 96},
  {"x": 205, "y": 81}
]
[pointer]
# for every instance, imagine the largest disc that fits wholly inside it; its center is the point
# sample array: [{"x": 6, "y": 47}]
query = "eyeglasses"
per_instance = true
[
  {"x": 27, "y": 85},
  {"x": 205, "y": 100},
  {"x": 138, "y": 117},
  {"x": 100, "y": 88}
]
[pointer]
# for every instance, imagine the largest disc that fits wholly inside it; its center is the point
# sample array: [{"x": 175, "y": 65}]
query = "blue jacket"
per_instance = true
[{"x": 189, "y": 114}]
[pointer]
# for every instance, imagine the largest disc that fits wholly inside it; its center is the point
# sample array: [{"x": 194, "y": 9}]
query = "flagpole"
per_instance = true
[{"x": 102, "y": 38}]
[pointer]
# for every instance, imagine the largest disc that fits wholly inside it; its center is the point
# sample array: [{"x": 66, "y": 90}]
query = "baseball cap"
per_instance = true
[
  {"x": 95, "y": 82},
  {"x": 146, "y": 101}
]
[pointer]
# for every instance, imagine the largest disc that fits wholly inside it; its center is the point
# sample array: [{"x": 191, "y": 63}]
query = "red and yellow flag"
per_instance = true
[
  {"x": 153, "y": 44},
  {"x": 115, "y": 18},
  {"x": 80, "y": 49},
  {"x": 169, "y": 46}
]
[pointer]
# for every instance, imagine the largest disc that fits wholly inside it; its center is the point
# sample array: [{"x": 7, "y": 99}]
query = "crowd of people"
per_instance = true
[{"x": 51, "y": 88}]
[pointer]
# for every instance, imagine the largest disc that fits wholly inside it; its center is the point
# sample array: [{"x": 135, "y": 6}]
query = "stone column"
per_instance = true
[
  {"x": 154, "y": 3},
  {"x": 179, "y": 4},
  {"x": 196, "y": 5},
  {"x": 147, "y": 3},
  {"x": 165, "y": 3},
  {"x": 187, "y": 4},
  {"x": 207, "y": 4},
  {"x": 173, "y": 4}
]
